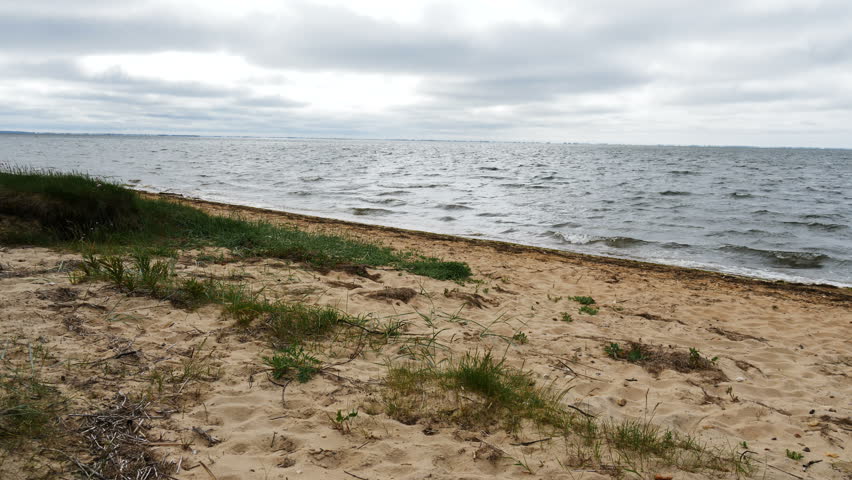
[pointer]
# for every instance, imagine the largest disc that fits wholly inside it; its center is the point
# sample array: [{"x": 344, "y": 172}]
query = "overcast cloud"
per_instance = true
[{"x": 745, "y": 72}]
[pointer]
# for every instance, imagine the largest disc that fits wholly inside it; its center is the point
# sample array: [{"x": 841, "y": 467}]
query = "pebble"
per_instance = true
[
  {"x": 741, "y": 379},
  {"x": 622, "y": 402}
]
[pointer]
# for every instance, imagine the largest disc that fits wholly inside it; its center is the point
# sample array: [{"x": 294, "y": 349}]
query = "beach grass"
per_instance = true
[
  {"x": 90, "y": 214},
  {"x": 479, "y": 391}
]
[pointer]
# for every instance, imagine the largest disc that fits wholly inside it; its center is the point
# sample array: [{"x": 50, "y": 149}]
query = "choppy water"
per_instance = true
[{"x": 770, "y": 213}]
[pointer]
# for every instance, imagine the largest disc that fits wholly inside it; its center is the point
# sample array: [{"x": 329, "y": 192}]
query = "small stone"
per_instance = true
[
  {"x": 812, "y": 411},
  {"x": 740, "y": 379},
  {"x": 661, "y": 476},
  {"x": 797, "y": 435},
  {"x": 622, "y": 402},
  {"x": 806, "y": 449}
]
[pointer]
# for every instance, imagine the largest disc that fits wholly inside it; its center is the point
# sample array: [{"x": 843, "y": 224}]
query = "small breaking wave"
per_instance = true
[
  {"x": 585, "y": 239},
  {"x": 674, "y": 193},
  {"x": 781, "y": 258}
]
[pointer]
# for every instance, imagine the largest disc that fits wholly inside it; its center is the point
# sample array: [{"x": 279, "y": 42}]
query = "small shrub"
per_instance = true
[
  {"x": 520, "y": 338},
  {"x": 794, "y": 455},
  {"x": 588, "y": 310},
  {"x": 566, "y": 317}
]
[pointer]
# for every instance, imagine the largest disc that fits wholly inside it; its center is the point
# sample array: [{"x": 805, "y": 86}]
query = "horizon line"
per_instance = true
[{"x": 400, "y": 139}]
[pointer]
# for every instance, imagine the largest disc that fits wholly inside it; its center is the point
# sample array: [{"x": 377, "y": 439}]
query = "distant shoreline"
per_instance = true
[{"x": 447, "y": 140}]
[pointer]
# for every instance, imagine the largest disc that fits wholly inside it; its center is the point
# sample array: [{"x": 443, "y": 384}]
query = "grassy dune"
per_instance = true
[{"x": 92, "y": 214}]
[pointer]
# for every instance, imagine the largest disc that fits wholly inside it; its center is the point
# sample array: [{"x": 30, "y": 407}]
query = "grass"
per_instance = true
[
  {"x": 293, "y": 362},
  {"x": 29, "y": 410},
  {"x": 588, "y": 310},
  {"x": 88, "y": 213},
  {"x": 480, "y": 392},
  {"x": 583, "y": 300},
  {"x": 494, "y": 393},
  {"x": 139, "y": 274}
]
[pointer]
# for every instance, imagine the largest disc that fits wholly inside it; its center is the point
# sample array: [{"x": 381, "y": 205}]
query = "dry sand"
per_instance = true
[{"x": 786, "y": 351}]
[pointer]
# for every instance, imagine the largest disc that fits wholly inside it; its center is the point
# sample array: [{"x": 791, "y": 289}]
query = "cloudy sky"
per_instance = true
[{"x": 744, "y": 72}]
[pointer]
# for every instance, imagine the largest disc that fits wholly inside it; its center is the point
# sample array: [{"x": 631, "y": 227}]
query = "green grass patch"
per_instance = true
[
  {"x": 293, "y": 362},
  {"x": 139, "y": 274},
  {"x": 493, "y": 393},
  {"x": 589, "y": 310},
  {"x": 95, "y": 215},
  {"x": 479, "y": 392},
  {"x": 583, "y": 300}
]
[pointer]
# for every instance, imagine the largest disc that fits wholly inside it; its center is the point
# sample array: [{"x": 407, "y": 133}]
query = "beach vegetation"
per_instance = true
[
  {"x": 342, "y": 422},
  {"x": 657, "y": 359},
  {"x": 589, "y": 310},
  {"x": 293, "y": 362},
  {"x": 583, "y": 300},
  {"x": 478, "y": 391},
  {"x": 95, "y": 215},
  {"x": 794, "y": 455},
  {"x": 566, "y": 317},
  {"x": 520, "y": 338}
]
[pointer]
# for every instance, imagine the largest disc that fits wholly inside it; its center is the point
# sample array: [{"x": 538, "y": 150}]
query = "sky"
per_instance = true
[{"x": 740, "y": 72}]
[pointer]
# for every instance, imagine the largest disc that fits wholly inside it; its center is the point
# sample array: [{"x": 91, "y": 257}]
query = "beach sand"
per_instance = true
[{"x": 784, "y": 351}]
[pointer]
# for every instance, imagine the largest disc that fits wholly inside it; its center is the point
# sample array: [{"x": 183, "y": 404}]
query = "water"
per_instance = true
[{"x": 768, "y": 213}]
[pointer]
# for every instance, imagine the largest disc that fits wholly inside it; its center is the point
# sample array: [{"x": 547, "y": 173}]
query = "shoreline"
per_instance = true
[{"x": 834, "y": 292}]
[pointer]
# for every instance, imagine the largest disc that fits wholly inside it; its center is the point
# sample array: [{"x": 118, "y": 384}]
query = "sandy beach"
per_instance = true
[{"x": 780, "y": 382}]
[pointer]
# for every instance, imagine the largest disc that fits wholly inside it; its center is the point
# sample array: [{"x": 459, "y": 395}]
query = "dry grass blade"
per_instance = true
[{"x": 115, "y": 439}]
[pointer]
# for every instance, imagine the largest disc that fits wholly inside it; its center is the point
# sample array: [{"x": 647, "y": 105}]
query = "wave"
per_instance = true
[
  {"x": 392, "y": 202},
  {"x": 585, "y": 239},
  {"x": 740, "y": 195},
  {"x": 454, "y": 206},
  {"x": 827, "y": 227},
  {"x": 370, "y": 211},
  {"x": 781, "y": 258},
  {"x": 447, "y": 219},
  {"x": 393, "y": 192},
  {"x": 488, "y": 214},
  {"x": 566, "y": 224},
  {"x": 672, "y": 193}
]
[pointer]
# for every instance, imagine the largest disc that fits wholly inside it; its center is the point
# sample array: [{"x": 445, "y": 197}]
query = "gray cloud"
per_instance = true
[{"x": 614, "y": 63}]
